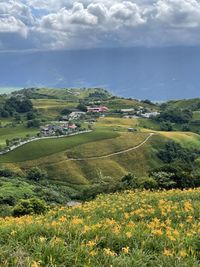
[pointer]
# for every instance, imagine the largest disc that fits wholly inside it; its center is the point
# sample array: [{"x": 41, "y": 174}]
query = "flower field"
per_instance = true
[{"x": 121, "y": 229}]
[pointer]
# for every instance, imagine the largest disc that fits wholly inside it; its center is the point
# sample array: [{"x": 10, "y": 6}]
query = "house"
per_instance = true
[
  {"x": 97, "y": 109},
  {"x": 76, "y": 114},
  {"x": 62, "y": 129},
  {"x": 72, "y": 127},
  {"x": 127, "y": 110},
  {"x": 150, "y": 114}
]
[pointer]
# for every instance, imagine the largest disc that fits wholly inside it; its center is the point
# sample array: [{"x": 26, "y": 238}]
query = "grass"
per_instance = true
[
  {"x": 43, "y": 148},
  {"x": 79, "y": 173},
  {"x": 183, "y": 103},
  {"x": 110, "y": 136},
  {"x": 15, "y": 132},
  {"x": 196, "y": 115},
  {"x": 122, "y": 229},
  {"x": 15, "y": 188},
  {"x": 186, "y": 139}
]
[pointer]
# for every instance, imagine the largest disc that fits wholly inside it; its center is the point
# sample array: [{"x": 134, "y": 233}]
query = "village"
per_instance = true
[
  {"x": 77, "y": 122},
  {"x": 73, "y": 122}
]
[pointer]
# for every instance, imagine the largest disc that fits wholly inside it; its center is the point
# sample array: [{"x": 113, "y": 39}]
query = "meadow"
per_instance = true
[
  {"x": 110, "y": 135},
  {"x": 19, "y": 131},
  {"x": 43, "y": 148},
  {"x": 121, "y": 230}
]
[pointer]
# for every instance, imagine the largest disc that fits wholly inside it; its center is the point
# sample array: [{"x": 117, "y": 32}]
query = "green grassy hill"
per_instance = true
[
  {"x": 184, "y": 103},
  {"x": 110, "y": 135}
]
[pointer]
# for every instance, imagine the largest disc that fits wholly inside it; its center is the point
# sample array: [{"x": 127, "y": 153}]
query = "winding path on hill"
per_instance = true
[{"x": 115, "y": 153}]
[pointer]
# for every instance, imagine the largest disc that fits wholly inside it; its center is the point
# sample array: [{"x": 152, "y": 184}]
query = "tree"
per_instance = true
[
  {"x": 30, "y": 115},
  {"x": 65, "y": 111},
  {"x": 82, "y": 107},
  {"x": 36, "y": 174},
  {"x": 166, "y": 126},
  {"x": 33, "y": 123}
]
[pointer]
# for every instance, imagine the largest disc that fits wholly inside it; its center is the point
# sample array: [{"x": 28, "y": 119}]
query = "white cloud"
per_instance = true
[
  {"x": 12, "y": 25},
  {"x": 176, "y": 13},
  {"x": 60, "y": 24}
]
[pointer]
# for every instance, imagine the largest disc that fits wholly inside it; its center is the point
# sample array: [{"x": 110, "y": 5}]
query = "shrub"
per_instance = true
[
  {"x": 6, "y": 173},
  {"x": 36, "y": 174},
  {"x": 30, "y": 206}
]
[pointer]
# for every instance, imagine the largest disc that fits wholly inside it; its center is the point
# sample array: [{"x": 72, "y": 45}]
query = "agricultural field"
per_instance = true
[{"x": 122, "y": 229}]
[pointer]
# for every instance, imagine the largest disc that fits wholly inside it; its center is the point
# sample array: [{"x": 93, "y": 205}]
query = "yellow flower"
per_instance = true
[
  {"x": 91, "y": 244},
  {"x": 189, "y": 219},
  {"x": 76, "y": 221},
  {"x": 125, "y": 250},
  {"x": 157, "y": 232},
  {"x": 35, "y": 264},
  {"x": 42, "y": 239},
  {"x": 126, "y": 215},
  {"x": 129, "y": 234},
  {"x": 13, "y": 233},
  {"x": 172, "y": 238},
  {"x": 93, "y": 253},
  {"x": 62, "y": 219},
  {"x": 183, "y": 253},
  {"x": 109, "y": 252},
  {"x": 176, "y": 233},
  {"x": 167, "y": 253}
]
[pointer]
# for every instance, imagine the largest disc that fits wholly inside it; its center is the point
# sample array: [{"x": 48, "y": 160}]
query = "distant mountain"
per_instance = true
[{"x": 154, "y": 73}]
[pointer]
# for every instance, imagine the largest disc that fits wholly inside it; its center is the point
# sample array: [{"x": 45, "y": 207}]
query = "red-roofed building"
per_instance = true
[{"x": 72, "y": 127}]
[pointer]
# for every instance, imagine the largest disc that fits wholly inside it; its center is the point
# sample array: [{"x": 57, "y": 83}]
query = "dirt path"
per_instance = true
[{"x": 116, "y": 153}]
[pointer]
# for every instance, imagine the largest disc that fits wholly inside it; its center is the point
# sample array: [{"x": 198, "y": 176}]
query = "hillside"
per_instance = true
[
  {"x": 120, "y": 141},
  {"x": 53, "y": 155},
  {"x": 122, "y": 229},
  {"x": 193, "y": 104}
]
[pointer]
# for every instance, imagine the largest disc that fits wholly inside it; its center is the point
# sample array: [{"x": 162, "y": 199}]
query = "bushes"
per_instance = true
[
  {"x": 36, "y": 174},
  {"x": 6, "y": 173},
  {"x": 30, "y": 206}
]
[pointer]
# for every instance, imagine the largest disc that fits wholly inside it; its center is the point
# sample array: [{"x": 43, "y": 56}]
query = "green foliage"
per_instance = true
[
  {"x": 31, "y": 115},
  {"x": 164, "y": 179},
  {"x": 166, "y": 126},
  {"x": 175, "y": 115},
  {"x": 14, "y": 104},
  {"x": 29, "y": 206},
  {"x": 173, "y": 151},
  {"x": 6, "y": 173},
  {"x": 130, "y": 181},
  {"x": 36, "y": 174},
  {"x": 65, "y": 111},
  {"x": 33, "y": 123},
  {"x": 82, "y": 107}
]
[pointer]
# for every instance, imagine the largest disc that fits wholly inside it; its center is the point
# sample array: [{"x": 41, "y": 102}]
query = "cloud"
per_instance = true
[
  {"x": 178, "y": 14},
  {"x": 13, "y": 25},
  {"x": 66, "y": 24}
]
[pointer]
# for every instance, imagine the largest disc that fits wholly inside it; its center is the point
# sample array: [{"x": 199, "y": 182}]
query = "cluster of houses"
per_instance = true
[
  {"x": 53, "y": 130},
  {"x": 140, "y": 112}
]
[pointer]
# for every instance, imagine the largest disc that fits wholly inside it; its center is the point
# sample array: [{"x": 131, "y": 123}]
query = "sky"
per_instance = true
[{"x": 37, "y": 25}]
